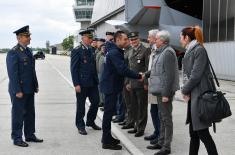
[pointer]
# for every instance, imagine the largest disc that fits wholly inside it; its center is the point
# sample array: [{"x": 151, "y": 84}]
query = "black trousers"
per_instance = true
[
  {"x": 110, "y": 102},
  {"x": 93, "y": 94},
  {"x": 205, "y": 137}
]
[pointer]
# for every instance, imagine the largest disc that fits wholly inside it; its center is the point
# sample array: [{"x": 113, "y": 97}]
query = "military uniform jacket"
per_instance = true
[
  {"x": 21, "y": 70},
  {"x": 138, "y": 61},
  {"x": 83, "y": 67}
]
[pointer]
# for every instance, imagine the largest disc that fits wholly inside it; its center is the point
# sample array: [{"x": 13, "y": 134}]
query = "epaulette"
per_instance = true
[
  {"x": 17, "y": 48},
  {"x": 14, "y": 48},
  {"x": 79, "y": 46}
]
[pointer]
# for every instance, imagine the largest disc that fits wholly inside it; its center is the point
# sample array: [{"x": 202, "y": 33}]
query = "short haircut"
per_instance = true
[
  {"x": 118, "y": 34},
  {"x": 164, "y": 36},
  {"x": 153, "y": 32}
]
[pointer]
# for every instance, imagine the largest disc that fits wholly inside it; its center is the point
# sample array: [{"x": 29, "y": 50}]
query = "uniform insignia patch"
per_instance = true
[{"x": 21, "y": 49}]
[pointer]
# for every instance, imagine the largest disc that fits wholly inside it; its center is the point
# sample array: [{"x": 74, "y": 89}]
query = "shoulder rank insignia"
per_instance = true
[
  {"x": 78, "y": 47},
  {"x": 14, "y": 48}
]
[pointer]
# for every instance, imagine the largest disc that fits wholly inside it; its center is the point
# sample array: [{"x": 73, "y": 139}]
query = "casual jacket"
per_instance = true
[{"x": 164, "y": 75}]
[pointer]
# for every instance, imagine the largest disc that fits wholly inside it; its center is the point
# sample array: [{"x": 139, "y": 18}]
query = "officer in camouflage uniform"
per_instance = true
[{"x": 138, "y": 61}]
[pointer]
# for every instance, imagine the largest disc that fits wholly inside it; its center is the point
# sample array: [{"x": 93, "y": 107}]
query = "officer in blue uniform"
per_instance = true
[
  {"x": 85, "y": 81},
  {"x": 112, "y": 81},
  {"x": 23, "y": 85}
]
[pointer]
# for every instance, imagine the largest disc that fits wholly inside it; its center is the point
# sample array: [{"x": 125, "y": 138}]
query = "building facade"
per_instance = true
[
  {"x": 219, "y": 32},
  {"x": 216, "y": 17}
]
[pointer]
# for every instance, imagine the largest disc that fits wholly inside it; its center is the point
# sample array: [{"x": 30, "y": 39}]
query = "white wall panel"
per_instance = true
[
  {"x": 222, "y": 56},
  {"x": 105, "y": 7}
]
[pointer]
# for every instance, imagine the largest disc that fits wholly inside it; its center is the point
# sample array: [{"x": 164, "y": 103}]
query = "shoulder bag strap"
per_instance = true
[{"x": 213, "y": 72}]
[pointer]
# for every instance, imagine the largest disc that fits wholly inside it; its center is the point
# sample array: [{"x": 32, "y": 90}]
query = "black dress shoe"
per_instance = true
[
  {"x": 154, "y": 141},
  {"x": 154, "y": 147},
  {"x": 163, "y": 152},
  {"x": 128, "y": 126},
  {"x": 94, "y": 126},
  {"x": 132, "y": 131},
  {"x": 35, "y": 140},
  {"x": 115, "y": 141},
  {"x": 82, "y": 131},
  {"x": 21, "y": 144},
  {"x": 116, "y": 120},
  {"x": 101, "y": 104},
  {"x": 151, "y": 137},
  {"x": 139, "y": 134},
  {"x": 112, "y": 146},
  {"x": 122, "y": 123}
]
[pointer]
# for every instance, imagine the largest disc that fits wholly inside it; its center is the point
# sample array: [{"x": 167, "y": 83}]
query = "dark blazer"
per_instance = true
[
  {"x": 21, "y": 70},
  {"x": 115, "y": 69},
  {"x": 199, "y": 79},
  {"x": 83, "y": 67}
]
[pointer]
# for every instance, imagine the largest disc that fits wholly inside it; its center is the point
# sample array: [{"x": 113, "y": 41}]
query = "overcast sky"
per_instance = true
[{"x": 51, "y": 20}]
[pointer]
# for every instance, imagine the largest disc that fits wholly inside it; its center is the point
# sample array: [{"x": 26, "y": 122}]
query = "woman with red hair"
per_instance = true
[{"x": 197, "y": 78}]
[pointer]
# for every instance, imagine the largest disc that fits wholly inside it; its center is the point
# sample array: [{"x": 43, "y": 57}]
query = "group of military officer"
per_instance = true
[{"x": 93, "y": 66}]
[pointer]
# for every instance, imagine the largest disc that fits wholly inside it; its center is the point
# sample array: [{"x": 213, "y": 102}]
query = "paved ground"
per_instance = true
[{"x": 55, "y": 111}]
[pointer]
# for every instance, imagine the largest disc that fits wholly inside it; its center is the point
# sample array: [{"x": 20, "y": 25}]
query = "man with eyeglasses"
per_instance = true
[{"x": 23, "y": 85}]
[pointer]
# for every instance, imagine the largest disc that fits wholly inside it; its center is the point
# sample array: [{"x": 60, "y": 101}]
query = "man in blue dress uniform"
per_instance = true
[
  {"x": 23, "y": 85},
  {"x": 85, "y": 81},
  {"x": 112, "y": 81}
]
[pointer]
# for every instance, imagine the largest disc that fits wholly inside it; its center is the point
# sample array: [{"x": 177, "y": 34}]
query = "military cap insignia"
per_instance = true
[{"x": 133, "y": 34}]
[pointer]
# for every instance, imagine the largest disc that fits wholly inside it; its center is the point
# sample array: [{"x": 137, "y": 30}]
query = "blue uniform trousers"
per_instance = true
[
  {"x": 110, "y": 103},
  {"x": 120, "y": 108},
  {"x": 23, "y": 113},
  {"x": 93, "y": 94}
]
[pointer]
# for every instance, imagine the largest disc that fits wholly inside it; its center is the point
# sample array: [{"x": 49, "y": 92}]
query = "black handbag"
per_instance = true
[{"x": 213, "y": 106}]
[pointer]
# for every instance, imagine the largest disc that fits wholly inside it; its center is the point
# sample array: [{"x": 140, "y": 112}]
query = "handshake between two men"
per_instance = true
[{"x": 128, "y": 86}]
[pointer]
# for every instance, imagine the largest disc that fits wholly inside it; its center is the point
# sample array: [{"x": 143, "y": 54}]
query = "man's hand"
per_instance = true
[
  {"x": 19, "y": 95},
  {"x": 78, "y": 89},
  {"x": 128, "y": 87},
  {"x": 165, "y": 99},
  {"x": 146, "y": 87},
  {"x": 186, "y": 98}
]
